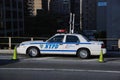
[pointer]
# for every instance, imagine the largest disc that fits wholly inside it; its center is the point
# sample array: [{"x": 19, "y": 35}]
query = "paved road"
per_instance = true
[
  {"x": 59, "y": 68},
  {"x": 49, "y": 74}
]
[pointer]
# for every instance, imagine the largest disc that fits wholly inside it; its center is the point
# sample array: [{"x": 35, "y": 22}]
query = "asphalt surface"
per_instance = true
[{"x": 59, "y": 67}]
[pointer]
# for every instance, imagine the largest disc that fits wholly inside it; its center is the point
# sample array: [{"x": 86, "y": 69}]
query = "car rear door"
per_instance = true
[{"x": 71, "y": 44}]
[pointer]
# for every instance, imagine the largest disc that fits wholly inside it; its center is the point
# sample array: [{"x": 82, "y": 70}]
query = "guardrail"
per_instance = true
[{"x": 10, "y": 42}]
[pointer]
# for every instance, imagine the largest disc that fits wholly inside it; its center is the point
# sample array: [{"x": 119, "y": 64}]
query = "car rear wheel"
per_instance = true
[
  {"x": 83, "y": 53},
  {"x": 33, "y": 52}
]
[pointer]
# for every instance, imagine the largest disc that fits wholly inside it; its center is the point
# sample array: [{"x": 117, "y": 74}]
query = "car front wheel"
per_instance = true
[
  {"x": 83, "y": 53},
  {"x": 33, "y": 52}
]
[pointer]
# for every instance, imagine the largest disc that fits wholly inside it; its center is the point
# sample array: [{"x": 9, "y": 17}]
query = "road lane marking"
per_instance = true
[
  {"x": 69, "y": 70},
  {"x": 44, "y": 58}
]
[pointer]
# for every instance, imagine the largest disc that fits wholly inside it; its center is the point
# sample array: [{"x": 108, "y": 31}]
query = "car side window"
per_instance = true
[
  {"x": 70, "y": 38},
  {"x": 57, "y": 39}
]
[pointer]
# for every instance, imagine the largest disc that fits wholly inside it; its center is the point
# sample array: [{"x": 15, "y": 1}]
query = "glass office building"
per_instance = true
[{"x": 11, "y": 18}]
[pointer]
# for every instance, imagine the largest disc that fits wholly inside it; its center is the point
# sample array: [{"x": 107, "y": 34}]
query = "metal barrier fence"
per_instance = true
[
  {"x": 110, "y": 43},
  {"x": 10, "y": 42}
]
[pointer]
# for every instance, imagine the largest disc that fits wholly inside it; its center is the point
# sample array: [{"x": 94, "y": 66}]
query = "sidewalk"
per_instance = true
[{"x": 7, "y": 51}]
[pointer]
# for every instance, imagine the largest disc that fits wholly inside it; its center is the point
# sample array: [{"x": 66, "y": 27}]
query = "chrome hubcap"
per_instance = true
[
  {"x": 83, "y": 53},
  {"x": 33, "y": 52}
]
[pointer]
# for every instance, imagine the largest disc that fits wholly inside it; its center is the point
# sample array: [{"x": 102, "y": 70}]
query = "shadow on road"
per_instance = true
[
  {"x": 7, "y": 61},
  {"x": 112, "y": 59},
  {"x": 112, "y": 56}
]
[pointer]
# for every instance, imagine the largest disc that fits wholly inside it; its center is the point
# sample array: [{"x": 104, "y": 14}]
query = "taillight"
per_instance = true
[{"x": 103, "y": 46}]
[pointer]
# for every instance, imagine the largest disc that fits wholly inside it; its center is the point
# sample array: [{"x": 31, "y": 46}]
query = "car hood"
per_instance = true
[{"x": 30, "y": 42}]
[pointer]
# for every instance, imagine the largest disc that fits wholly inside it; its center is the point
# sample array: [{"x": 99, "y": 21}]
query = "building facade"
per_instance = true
[
  {"x": 28, "y": 7},
  {"x": 32, "y": 7},
  {"x": 113, "y": 23},
  {"x": 108, "y": 20},
  {"x": 65, "y": 7},
  {"x": 102, "y": 15},
  {"x": 37, "y": 6},
  {"x": 61, "y": 7},
  {"x": 11, "y": 17},
  {"x": 89, "y": 13}
]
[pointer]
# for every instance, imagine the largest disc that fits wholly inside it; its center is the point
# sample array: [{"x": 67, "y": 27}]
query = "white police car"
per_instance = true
[{"x": 70, "y": 44}]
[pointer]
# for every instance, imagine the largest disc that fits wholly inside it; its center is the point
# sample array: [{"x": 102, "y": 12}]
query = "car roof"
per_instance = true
[
  {"x": 83, "y": 38},
  {"x": 67, "y": 34}
]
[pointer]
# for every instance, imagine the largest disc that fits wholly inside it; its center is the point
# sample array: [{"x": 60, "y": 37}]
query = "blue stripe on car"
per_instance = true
[{"x": 58, "y": 50}]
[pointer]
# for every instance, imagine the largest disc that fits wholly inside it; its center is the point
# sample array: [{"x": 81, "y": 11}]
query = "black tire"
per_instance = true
[
  {"x": 33, "y": 52},
  {"x": 83, "y": 53}
]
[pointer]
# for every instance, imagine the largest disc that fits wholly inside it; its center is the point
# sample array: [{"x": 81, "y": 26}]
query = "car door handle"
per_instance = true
[
  {"x": 77, "y": 43},
  {"x": 61, "y": 43}
]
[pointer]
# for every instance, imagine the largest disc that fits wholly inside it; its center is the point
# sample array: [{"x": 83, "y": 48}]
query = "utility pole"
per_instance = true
[
  {"x": 72, "y": 21},
  {"x": 81, "y": 15},
  {"x": 72, "y": 16},
  {"x": 49, "y": 5}
]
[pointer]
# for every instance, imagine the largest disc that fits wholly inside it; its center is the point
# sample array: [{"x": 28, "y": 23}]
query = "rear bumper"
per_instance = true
[{"x": 104, "y": 51}]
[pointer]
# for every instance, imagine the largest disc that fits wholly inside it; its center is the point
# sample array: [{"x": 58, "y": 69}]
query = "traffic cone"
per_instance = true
[
  {"x": 14, "y": 54},
  {"x": 101, "y": 58}
]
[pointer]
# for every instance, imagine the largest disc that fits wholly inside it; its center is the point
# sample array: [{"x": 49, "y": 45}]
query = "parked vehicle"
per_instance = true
[{"x": 69, "y": 44}]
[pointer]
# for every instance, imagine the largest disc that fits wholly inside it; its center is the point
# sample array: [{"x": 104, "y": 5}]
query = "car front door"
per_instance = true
[{"x": 54, "y": 45}]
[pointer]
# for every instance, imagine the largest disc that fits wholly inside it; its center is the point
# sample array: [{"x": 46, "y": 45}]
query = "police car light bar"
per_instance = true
[{"x": 61, "y": 31}]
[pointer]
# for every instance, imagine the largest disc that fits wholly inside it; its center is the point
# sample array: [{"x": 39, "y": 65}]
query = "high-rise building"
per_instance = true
[
  {"x": 108, "y": 20},
  {"x": 37, "y": 6},
  {"x": 101, "y": 15},
  {"x": 33, "y": 6},
  {"x": 61, "y": 7},
  {"x": 89, "y": 12},
  {"x": 112, "y": 22},
  {"x": 88, "y": 9},
  {"x": 28, "y": 7},
  {"x": 11, "y": 17},
  {"x": 46, "y": 5}
]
